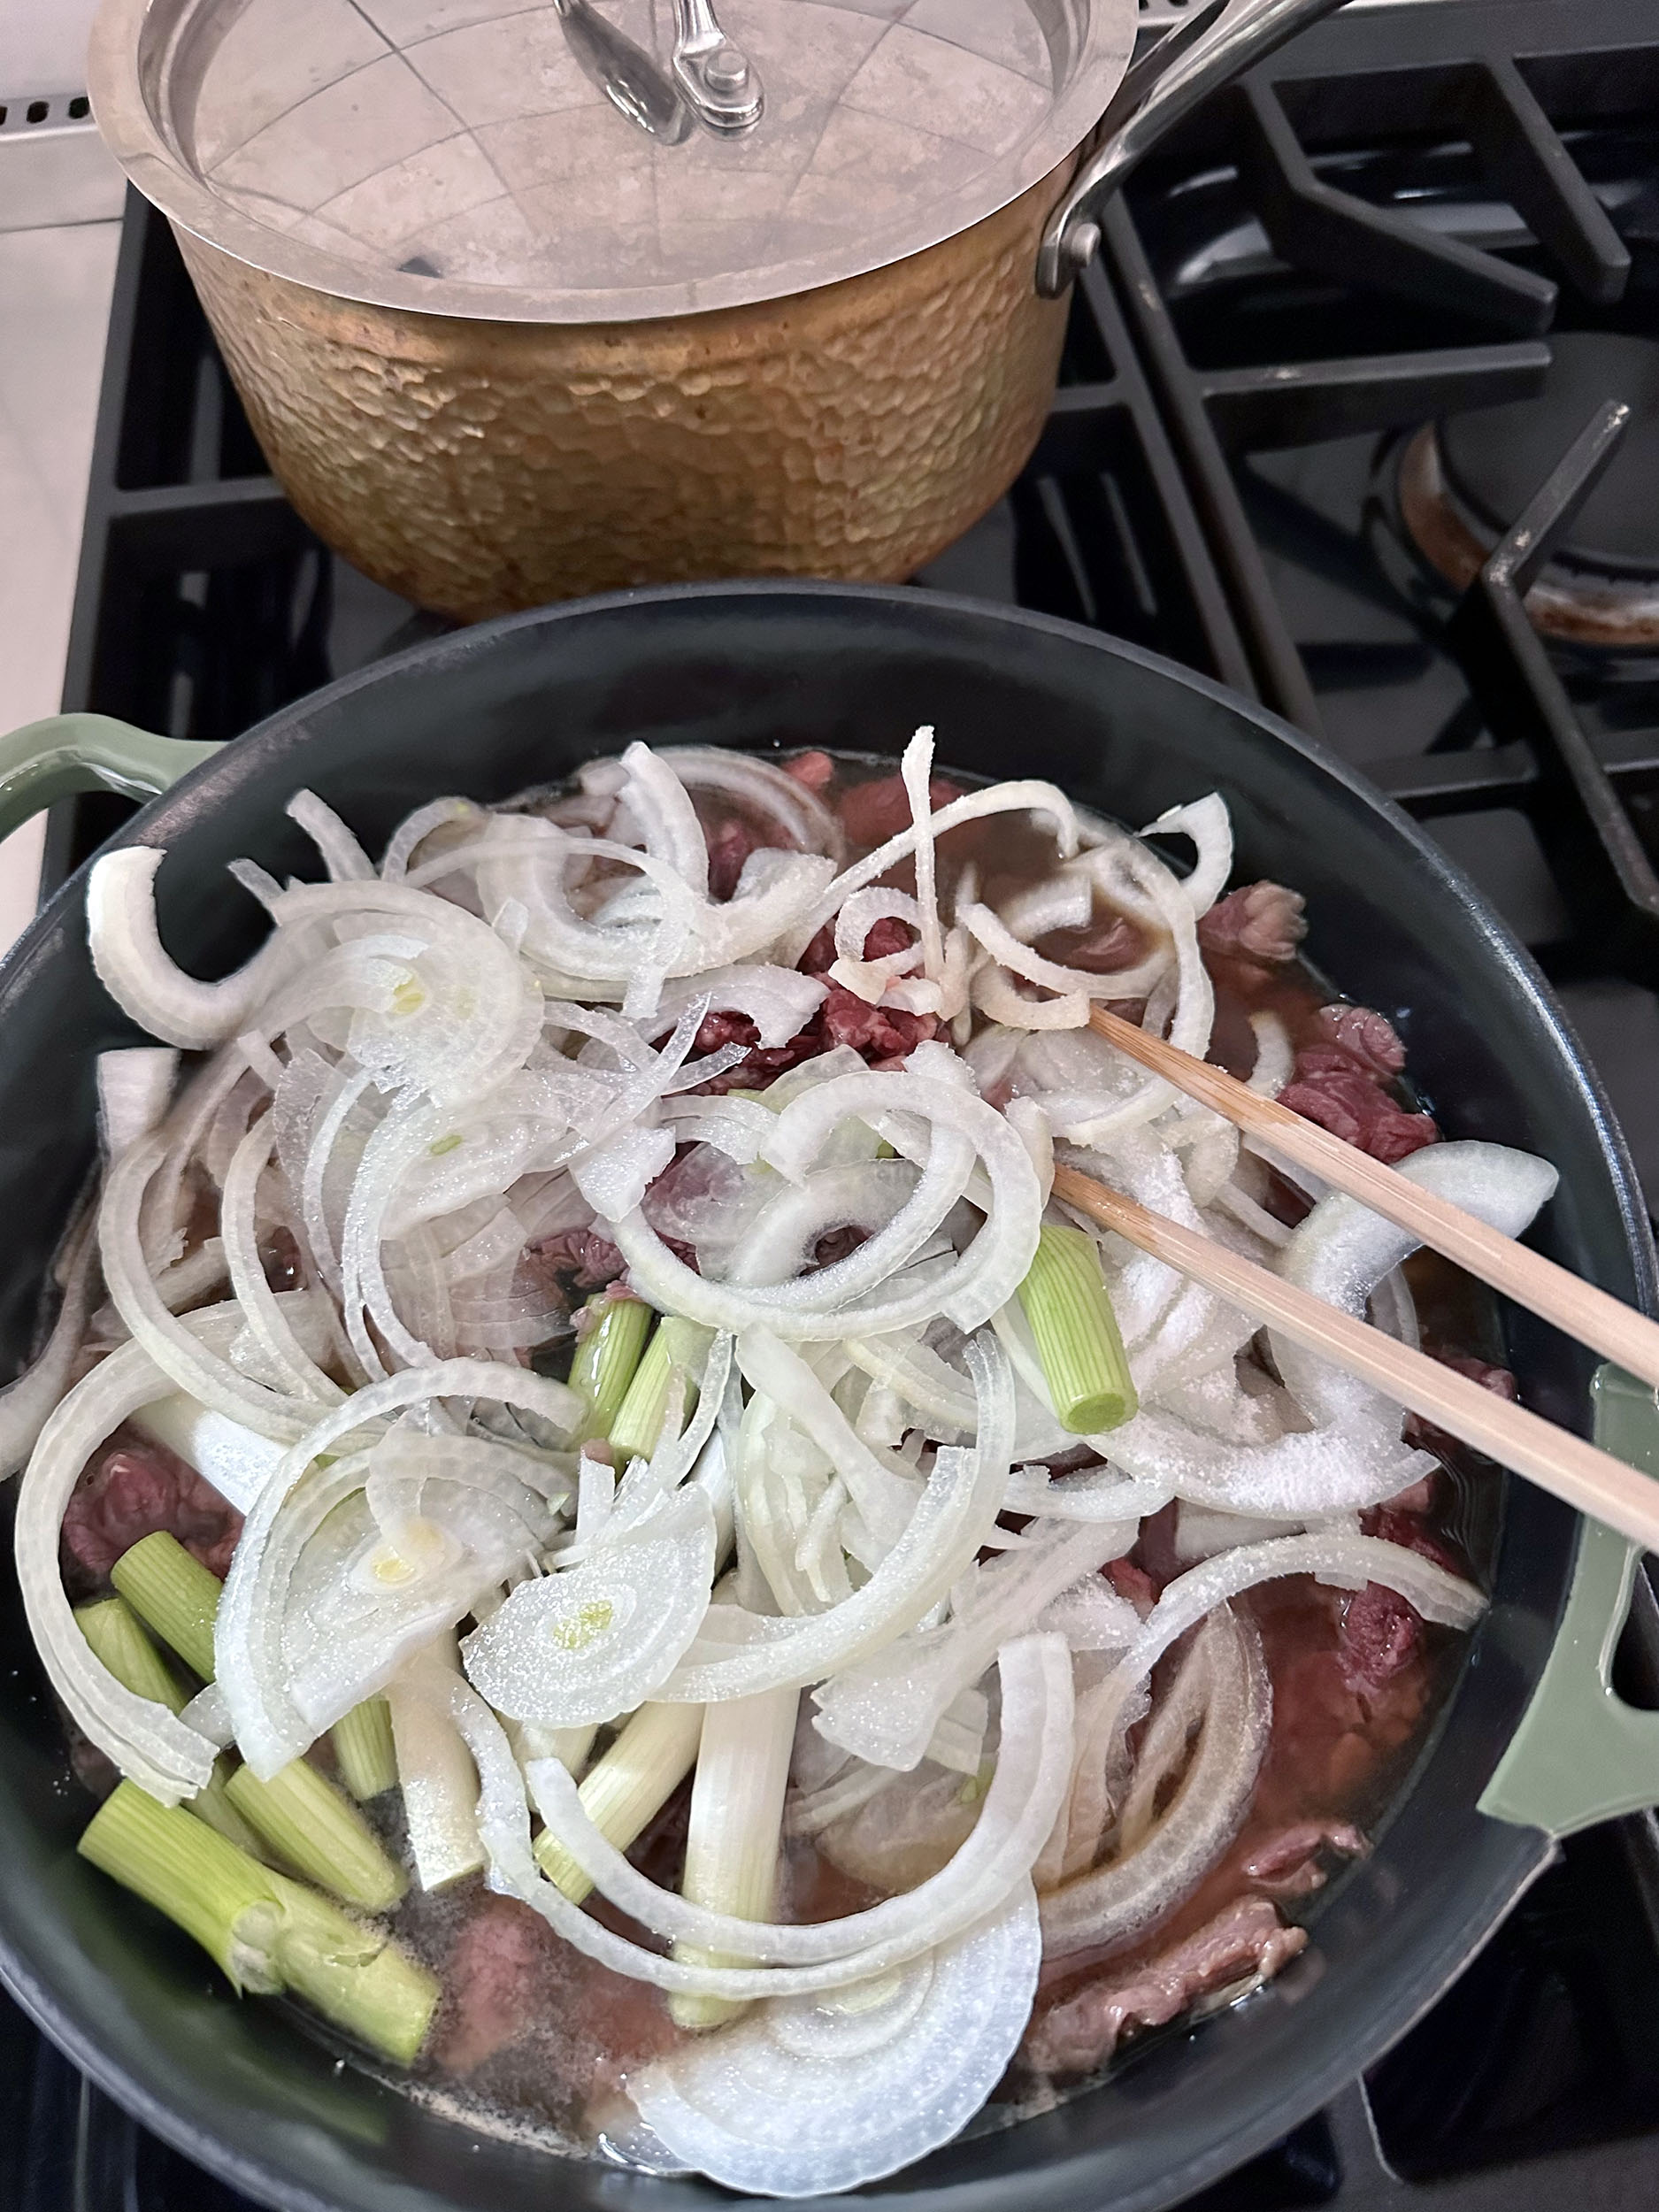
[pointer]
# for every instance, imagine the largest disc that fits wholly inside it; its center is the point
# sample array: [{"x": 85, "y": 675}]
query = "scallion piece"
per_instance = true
[
  {"x": 607, "y": 1357},
  {"x": 363, "y": 1751},
  {"x": 119, "y": 1644},
  {"x": 624, "y": 1790},
  {"x": 264, "y": 1931},
  {"x": 676, "y": 1350},
  {"x": 439, "y": 1782},
  {"x": 314, "y": 1828},
  {"x": 218, "y": 1894},
  {"x": 1075, "y": 1331},
  {"x": 118, "y": 1639},
  {"x": 174, "y": 1593},
  {"x": 736, "y": 1827},
  {"x": 355, "y": 1975},
  {"x": 308, "y": 1824}
]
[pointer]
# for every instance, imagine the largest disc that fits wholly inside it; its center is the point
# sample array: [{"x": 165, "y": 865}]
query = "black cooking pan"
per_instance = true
[{"x": 1531, "y": 1743}]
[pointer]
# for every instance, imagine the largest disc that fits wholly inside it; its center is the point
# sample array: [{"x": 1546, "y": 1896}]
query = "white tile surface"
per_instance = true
[{"x": 55, "y": 289}]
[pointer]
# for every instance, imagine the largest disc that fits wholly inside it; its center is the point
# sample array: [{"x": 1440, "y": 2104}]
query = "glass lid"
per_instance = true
[{"x": 594, "y": 161}]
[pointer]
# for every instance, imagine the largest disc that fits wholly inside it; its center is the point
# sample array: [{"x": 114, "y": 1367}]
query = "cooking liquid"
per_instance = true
[
  {"x": 1333, "y": 1754},
  {"x": 535, "y": 2042}
]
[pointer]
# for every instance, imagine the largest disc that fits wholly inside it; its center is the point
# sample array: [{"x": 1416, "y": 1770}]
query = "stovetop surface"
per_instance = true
[{"x": 1384, "y": 226}]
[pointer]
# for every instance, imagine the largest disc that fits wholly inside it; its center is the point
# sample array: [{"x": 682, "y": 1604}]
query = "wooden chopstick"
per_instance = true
[
  {"x": 1591, "y": 1481},
  {"x": 1589, "y": 1314}
]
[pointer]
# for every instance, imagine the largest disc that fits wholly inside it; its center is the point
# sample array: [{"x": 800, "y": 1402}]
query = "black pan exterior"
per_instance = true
[{"x": 490, "y": 710}]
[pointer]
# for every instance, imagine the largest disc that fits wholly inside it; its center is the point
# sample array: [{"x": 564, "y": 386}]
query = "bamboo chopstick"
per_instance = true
[
  {"x": 1591, "y": 1481},
  {"x": 1617, "y": 1331}
]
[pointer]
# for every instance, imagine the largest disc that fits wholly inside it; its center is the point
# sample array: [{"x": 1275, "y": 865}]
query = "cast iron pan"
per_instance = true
[{"x": 516, "y": 702}]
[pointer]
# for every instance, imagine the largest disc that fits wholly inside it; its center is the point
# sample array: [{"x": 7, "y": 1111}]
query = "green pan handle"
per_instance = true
[
  {"x": 47, "y": 760},
  {"x": 1582, "y": 1754}
]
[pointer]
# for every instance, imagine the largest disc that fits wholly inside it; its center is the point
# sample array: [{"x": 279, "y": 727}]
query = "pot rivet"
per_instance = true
[{"x": 725, "y": 70}]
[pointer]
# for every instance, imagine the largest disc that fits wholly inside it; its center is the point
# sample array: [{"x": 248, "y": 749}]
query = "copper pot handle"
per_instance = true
[{"x": 1187, "y": 65}]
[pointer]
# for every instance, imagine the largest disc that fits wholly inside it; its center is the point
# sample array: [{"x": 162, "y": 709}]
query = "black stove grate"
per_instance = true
[{"x": 1382, "y": 227}]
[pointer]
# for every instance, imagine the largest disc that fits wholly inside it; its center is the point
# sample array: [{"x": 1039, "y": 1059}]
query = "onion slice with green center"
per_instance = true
[{"x": 592, "y": 1642}]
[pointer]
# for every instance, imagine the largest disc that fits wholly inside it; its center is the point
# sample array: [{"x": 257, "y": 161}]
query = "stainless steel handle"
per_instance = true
[
  {"x": 630, "y": 79},
  {"x": 715, "y": 79},
  {"x": 1156, "y": 93}
]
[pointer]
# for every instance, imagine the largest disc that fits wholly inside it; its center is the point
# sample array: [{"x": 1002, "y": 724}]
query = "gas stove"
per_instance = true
[{"x": 1360, "y": 414}]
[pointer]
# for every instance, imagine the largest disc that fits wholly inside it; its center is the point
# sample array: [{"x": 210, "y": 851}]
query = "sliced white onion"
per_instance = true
[
  {"x": 134, "y": 1088},
  {"x": 658, "y": 800},
  {"x": 1001, "y": 798},
  {"x": 780, "y": 1001},
  {"x": 814, "y": 1307},
  {"x": 142, "y": 1736},
  {"x": 916, "y": 769},
  {"x": 738, "y": 1652},
  {"x": 810, "y": 2095},
  {"x": 1342, "y": 1250},
  {"x": 883, "y": 1497},
  {"x": 598, "y": 1640},
  {"x": 248, "y": 1647},
  {"x": 999, "y": 940},
  {"x": 343, "y": 857},
  {"x": 299, "y": 1374},
  {"x": 177, "y": 1350},
  {"x": 1207, "y": 822},
  {"x": 995, "y": 993},
  {"x": 1034, "y": 1767},
  {"x": 1334, "y": 1555},
  {"x": 413, "y": 832},
  {"x": 140, "y": 976},
  {"x": 771, "y": 792},
  {"x": 886, "y": 1708},
  {"x": 1124, "y": 1898}
]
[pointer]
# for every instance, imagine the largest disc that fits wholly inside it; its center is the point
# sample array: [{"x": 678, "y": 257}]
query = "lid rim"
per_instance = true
[{"x": 137, "y": 141}]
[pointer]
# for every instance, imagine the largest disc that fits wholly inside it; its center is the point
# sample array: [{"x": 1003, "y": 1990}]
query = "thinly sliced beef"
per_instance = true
[
  {"x": 888, "y": 935},
  {"x": 134, "y": 1488},
  {"x": 1338, "y": 1081},
  {"x": 871, "y": 812},
  {"x": 1287, "y": 1864},
  {"x": 814, "y": 769},
  {"x": 1379, "y": 1637},
  {"x": 728, "y": 1027},
  {"x": 1258, "y": 922},
  {"x": 730, "y": 843},
  {"x": 1133, "y": 1583},
  {"x": 1106, "y": 946},
  {"x": 516, "y": 1996},
  {"x": 1362, "y": 1036},
  {"x": 880, "y": 1032},
  {"x": 1424, "y": 1433},
  {"x": 587, "y": 1259},
  {"x": 1400, "y": 1524},
  {"x": 1246, "y": 1942}
]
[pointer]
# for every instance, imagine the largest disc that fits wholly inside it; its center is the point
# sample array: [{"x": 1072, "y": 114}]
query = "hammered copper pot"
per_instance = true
[
  {"x": 476, "y": 467},
  {"x": 514, "y": 320}
]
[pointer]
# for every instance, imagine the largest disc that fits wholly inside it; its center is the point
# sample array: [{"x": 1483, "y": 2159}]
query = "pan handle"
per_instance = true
[
  {"x": 1582, "y": 1754},
  {"x": 47, "y": 760},
  {"x": 1185, "y": 67}
]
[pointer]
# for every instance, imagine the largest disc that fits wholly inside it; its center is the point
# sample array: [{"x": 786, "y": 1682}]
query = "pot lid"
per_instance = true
[{"x": 543, "y": 162}]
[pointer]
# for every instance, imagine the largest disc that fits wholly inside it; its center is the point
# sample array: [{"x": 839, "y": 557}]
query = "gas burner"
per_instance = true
[{"x": 1463, "y": 479}]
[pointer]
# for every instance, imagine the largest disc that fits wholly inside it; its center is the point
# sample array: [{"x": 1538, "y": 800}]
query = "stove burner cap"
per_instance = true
[{"x": 1496, "y": 458}]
